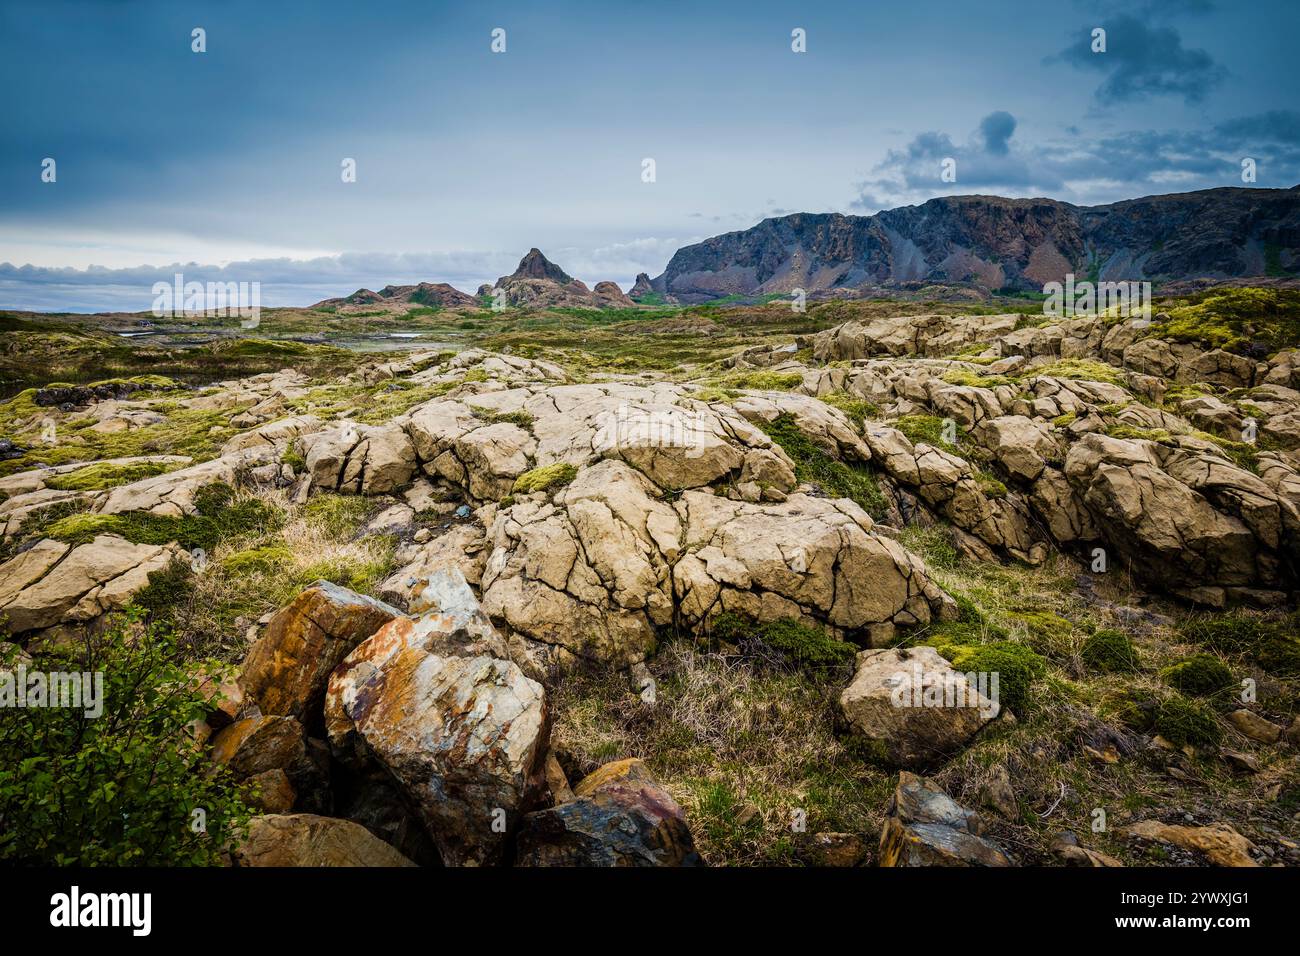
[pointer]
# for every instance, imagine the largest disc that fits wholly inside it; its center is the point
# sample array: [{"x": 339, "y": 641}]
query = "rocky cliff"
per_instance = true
[{"x": 996, "y": 243}]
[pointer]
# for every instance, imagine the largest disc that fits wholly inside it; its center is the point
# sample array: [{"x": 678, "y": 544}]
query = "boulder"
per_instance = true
[
  {"x": 461, "y": 731},
  {"x": 287, "y": 670},
  {"x": 912, "y": 707},
  {"x": 926, "y": 827},
  {"x": 255, "y": 745},
  {"x": 1219, "y": 842},
  {"x": 620, "y": 816},
  {"x": 303, "y": 839}
]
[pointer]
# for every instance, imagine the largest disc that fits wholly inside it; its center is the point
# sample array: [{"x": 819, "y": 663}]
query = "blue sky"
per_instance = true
[{"x": 229, "y": 161}]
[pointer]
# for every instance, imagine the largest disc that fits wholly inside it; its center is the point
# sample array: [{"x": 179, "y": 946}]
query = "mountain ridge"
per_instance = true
[{"x": 998, "y": 243}]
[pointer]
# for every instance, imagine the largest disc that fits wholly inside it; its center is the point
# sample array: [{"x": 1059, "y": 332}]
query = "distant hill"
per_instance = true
[
  {"x": 424, "y": 293},
  {"x": 996, "y": 243}
]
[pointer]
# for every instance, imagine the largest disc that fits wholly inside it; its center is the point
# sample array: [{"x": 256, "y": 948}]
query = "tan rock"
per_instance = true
[{"x": 302, "y": 839}]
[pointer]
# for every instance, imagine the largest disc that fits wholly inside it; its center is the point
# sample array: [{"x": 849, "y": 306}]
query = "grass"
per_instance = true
[
  {"x": 745, "y": 751},
  {"x": 260, "y": 568}
]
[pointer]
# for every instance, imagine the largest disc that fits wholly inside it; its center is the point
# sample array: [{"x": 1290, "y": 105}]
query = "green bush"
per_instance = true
[
  {"x": 1109, "y": 652},
  {"x": 1200, "y": 675},
  {"x": 123, "y": 788}
]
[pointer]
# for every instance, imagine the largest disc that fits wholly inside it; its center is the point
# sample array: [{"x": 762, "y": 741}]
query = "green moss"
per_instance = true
[
  {"x": 962, "y": 376},
  {"x": 545, "y": 478},
  {"x": 1017, "y": 667},
  {"x": 762, "y": 380},
  {"x": 990, "y": 485},
  {"x": 1108, "y": 652},
  {"x": 253, "y": 560},
  {"x": 924, "y": 430},
  {"x": 1066, "y": 420},
  {"x": 104, "y": 475},
  {"x": 1201, "y": 675},
  {"x": 218, "y": 516},
  {"x": 1234, "y": 319},
  {"x": 785, "y": 641},
  {"x": 520, "y": 417},
  {"x": 1172, "y": 716},
  {"x": 858, "y": 410},
  {"x": 294, "y": 460},
  {"x": 1079, "y": 369},
  {"x": 837, "y": 478},
  {"x": 1134, "y": 432}
]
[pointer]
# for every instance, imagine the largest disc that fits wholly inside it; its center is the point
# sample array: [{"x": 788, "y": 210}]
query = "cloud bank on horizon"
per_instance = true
[{"x": 228, "y": 160}]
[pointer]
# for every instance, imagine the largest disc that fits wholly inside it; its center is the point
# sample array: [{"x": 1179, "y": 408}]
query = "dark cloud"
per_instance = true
[
  {"x": 1143, "y": 60},
  {"x": 997, "y": 129},
  {"x": 1275, "y": 126}
]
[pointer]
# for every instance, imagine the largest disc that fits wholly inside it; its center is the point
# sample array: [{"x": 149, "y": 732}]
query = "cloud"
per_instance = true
[
  {"x": 298, "y": 282},
  {"x": 1143, "y": 60},
  {"x": 1274, "y": 126},
  {"x": 1086, "y": 171},
  {"x": 997, "y": 129},
  {"x": 987, "y": 161}
]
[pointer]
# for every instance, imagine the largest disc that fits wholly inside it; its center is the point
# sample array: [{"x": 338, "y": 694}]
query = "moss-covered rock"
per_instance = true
[
  {"x": 1200, "y": 675},
  {"x": 1172, "y": 716},
  {"x": 1109, "y": 652},
  {"x": 545, "y": 478}
]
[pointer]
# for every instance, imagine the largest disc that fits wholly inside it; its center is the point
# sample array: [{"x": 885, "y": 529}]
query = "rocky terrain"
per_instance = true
[
  {"x": 991, "y": 243},
  {"x": 483, "y": 607}
]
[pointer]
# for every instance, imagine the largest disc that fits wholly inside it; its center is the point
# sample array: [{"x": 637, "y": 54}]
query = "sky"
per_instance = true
[{"x": 228, "y": 163}]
